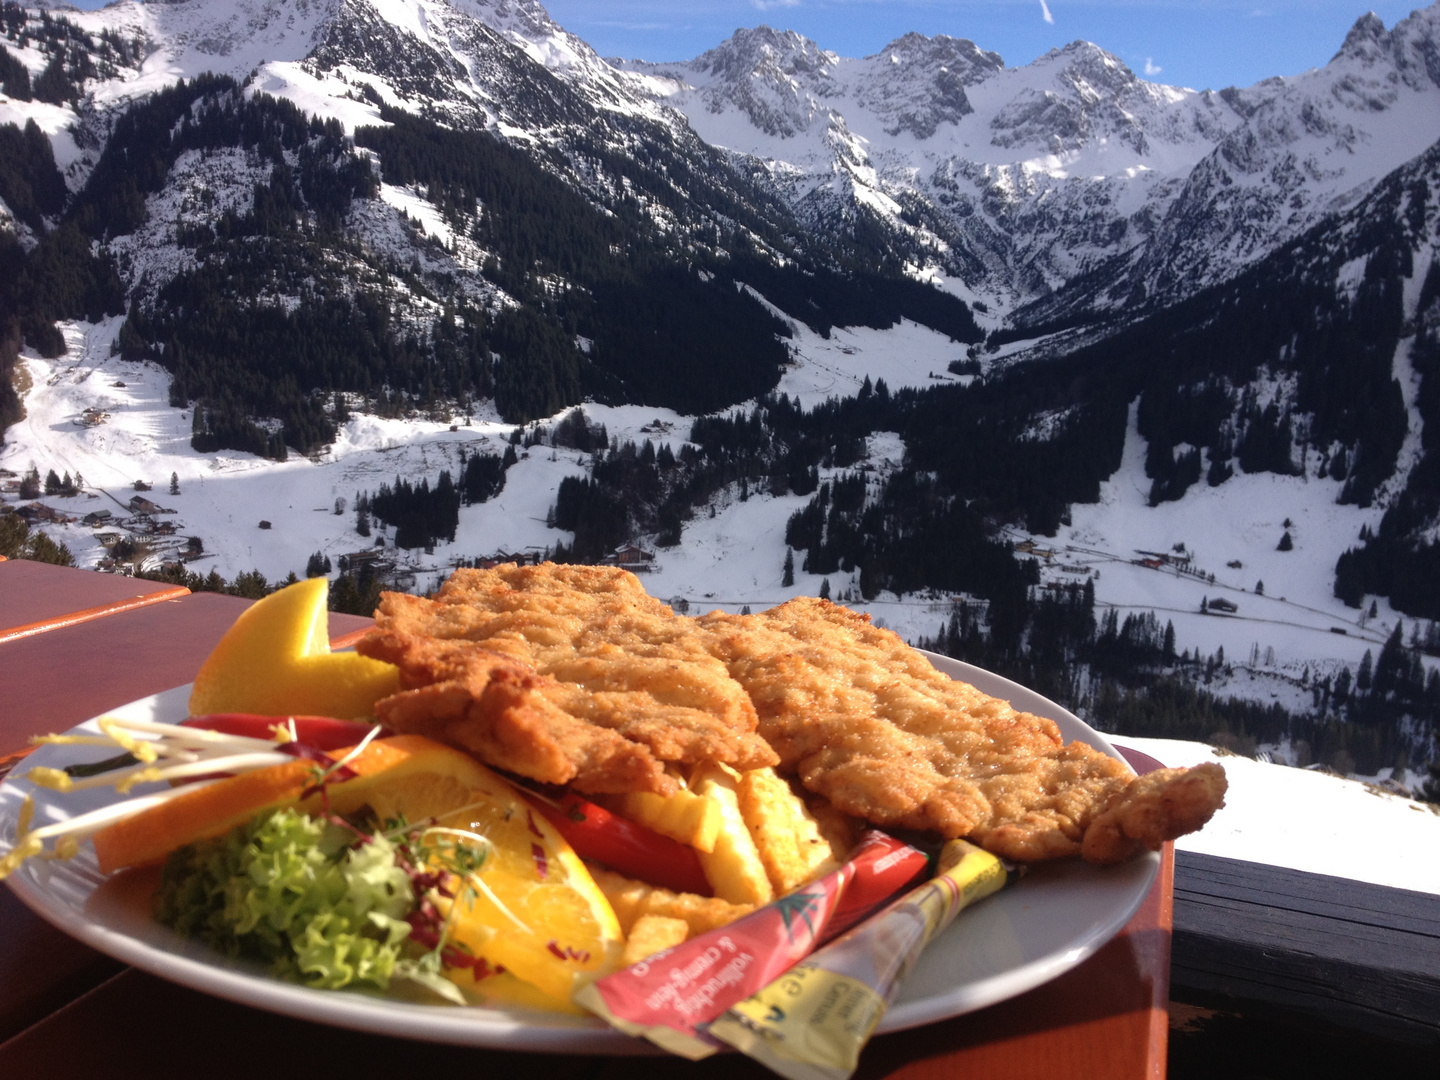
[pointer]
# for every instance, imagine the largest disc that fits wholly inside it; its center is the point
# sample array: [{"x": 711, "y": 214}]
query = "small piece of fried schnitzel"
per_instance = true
[
  {"x": 507, "y": 715},
  {"x": 598, "y": 673},
  {"x": 866, "y": 721}
]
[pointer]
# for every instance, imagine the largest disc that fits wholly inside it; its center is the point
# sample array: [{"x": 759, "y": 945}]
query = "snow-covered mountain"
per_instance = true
[
  {"x": 499, "y": 65},
  {"x": 1018, "y": 181},
  {"x": 1069, "y": 181}
]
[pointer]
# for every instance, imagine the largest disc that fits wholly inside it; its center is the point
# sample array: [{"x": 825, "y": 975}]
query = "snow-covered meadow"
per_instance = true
[
  {"x": 1286, "y": 618},
  {"x": 730, "y": 559}
]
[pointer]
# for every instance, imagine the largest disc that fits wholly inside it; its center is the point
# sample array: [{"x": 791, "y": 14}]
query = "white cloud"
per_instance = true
[
  {"x": 766, "y": 5},
  {"x": 1151, "y": 68},
  {"x": 1045, "y": 13}
]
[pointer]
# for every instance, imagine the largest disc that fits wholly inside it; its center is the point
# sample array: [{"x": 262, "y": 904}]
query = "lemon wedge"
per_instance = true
[{"x": 276, "y": 660}]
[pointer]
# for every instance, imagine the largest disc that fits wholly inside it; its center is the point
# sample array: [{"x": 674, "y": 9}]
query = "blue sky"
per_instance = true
[{"x": 1197, "y": 43}]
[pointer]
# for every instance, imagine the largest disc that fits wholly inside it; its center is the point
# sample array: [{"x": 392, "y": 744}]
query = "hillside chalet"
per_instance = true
[
  {"x": 631, "y": 557},
  {"x": 141, "y": 505}
]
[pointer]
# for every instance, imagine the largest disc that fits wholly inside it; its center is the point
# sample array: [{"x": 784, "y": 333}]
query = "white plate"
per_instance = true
[{"x": 1027, "y": 934}]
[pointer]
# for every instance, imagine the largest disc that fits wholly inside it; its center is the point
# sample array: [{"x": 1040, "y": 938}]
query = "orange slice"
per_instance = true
[
  {"x": 535, "y": 910},
  {"x": 276, "y": 660}
]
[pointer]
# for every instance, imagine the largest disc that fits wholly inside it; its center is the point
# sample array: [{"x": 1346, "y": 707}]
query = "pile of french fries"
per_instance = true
[{"x": 756, "y": 837}]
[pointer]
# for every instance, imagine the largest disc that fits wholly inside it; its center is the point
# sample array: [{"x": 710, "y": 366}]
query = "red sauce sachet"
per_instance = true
[{"x": 669, "y": 997}]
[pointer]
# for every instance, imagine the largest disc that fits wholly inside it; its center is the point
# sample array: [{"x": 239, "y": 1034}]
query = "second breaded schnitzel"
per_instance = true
[
  {"x": 866, "y": 721},
  {"x": 580, "y": 656}
]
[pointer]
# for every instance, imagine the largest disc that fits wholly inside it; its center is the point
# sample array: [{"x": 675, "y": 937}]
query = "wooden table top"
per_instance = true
[
  {"x": 35, "y": 597},
  {"x": 65, "y": 1007}
]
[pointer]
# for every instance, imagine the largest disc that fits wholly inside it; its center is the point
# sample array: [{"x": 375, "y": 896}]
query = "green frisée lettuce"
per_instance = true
[{"x": 320, "y": 904}]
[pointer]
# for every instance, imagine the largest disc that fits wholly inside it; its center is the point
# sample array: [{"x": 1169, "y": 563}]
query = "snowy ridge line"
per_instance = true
[{"x": 1073, "y": 145}]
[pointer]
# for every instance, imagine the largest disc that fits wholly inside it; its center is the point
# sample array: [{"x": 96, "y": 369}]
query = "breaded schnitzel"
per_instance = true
[
  {"x": 575, "y": 674},
  {"x": 866, "y": 721},
  {"x": 581, "y": 658}
]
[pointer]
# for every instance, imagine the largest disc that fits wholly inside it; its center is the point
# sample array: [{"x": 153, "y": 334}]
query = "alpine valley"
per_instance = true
[{"x": 1128, "y": 391}]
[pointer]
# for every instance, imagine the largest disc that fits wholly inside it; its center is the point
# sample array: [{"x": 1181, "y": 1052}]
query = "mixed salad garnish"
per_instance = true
[{"x": 327, "y": 900}]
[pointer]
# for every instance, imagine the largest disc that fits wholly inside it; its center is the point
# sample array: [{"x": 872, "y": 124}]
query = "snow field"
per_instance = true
[{"x": 1241, "y": 521}]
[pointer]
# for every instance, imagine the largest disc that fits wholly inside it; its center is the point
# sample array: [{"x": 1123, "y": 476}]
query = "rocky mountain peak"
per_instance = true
[
  {"x": 1412, "y": 48},
  {"x": 767, "y": 53},
  {"x": 1091, "y": 71},
  {"x": 507, "y": 14},
  {"x": 960, "y": 56},
  {"x": 1082, "y": 94},
  {"x": 916, "y": 83},
  {"x": 1366, "y": 38},
  {"x": 775, "y": 77}
]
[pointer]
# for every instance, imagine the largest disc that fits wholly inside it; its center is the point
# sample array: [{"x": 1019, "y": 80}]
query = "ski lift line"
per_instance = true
[
  {"x": 1241, "y": 590},
  {"x": 1234, "y": 618}
]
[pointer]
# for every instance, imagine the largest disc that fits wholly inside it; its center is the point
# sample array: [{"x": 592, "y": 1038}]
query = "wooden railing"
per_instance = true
[{"x": 1359, "y": 956}]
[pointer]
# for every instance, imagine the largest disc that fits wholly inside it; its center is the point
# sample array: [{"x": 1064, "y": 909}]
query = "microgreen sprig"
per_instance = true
[{"x": 153, "y": 753}]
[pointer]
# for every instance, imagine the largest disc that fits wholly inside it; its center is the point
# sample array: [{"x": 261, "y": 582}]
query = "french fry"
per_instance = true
[
  {"x": 686, "y": 816},
  {"x": 840, "y": 830},
  {"x": 650, "y": 934},
  {"x": 787, "y": 836},
  {"x": 632, "y": 900},
  {"x": 733, "y": 867}
]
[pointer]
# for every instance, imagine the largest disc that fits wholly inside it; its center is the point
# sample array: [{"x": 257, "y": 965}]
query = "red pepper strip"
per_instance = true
[
  {"x": 625, "y": 846},
  {"x": 320, "y": 732}
]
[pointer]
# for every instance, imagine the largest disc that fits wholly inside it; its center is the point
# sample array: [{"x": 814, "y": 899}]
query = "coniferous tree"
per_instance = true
[
  {"x": 53, "y": 85},
  {"x": 362, "y": 514},
  {"x": 1430, "y": 789},
  {"x": 14, "y": 76},
  {"x": 17, "y": 541}
]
